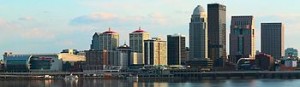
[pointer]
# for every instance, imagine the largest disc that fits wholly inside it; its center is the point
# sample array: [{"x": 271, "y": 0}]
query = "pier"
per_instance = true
[{"x": 175, "y": 74}]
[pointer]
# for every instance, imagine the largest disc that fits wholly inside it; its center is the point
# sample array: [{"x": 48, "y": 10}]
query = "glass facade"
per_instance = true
[
  {"x": 40, "y": 63},
  {"x": 16, "y": 63},
  {"x": 24, "y": 63}
]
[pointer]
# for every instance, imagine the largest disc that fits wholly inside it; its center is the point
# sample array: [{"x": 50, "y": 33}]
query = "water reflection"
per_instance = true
[{"x": 146, "y": 83}]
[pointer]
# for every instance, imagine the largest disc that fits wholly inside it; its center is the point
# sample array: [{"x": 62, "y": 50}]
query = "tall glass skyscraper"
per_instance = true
[
  {"x": 216, "y": 31},
  {"x": 176, "y": 49},
  {"x": 272, "y": 39},
  {"x": 198, "y": 34}
]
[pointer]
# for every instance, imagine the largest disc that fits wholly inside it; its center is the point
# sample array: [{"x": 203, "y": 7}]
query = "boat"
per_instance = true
[
  {"x": 133, "y": 77},
  {"x": 48, "y": 77},
  {"x": 71, "y": 77}
]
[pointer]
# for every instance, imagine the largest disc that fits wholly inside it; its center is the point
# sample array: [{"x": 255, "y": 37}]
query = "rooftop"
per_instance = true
[
  {"x": 109, "y": 31},
  {"x": 139, "y": 30}
]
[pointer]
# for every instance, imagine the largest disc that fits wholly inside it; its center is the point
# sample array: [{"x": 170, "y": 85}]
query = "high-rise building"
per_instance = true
[
  {"x": 176, "y": 49},
  {"x": 242, "y": 44},
  {"x": 272, "y": 39},
  {"x": 155, "y": 52},
  {"x": 216, "y": 20},
  {"x": 198, "y": 34},
  {"x": 136, "y": 42},
  {"x": 108, "y": 40}
]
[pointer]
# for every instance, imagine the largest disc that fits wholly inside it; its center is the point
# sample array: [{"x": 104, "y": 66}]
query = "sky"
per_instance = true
[{"x": 48, "y": 26}]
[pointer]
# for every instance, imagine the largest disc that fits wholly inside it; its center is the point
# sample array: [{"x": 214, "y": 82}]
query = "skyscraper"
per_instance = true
[
  {"x": 216, "y": 31},
  {"x": 198, "y": 34},
  {"x": 241, "y": 38},
  {"x": 176, "y": 49},
  {"x": 108, "y": 40},
  {"x": 272, "y": 39},
  {"x": 155, "y": 52},
  {"x": 136, "y": 40}
]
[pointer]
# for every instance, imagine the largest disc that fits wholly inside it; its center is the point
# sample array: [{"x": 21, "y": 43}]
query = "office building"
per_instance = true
[
  {"x": 108, "y": 40},
  {"x": 176, "y": 49},
  {"x": 155, "y": 52},
  {"x": 136, "y": 43},
  {"x": 96, "y": 60},
  {"x": 242, "y": 36},
  {"x": 216, "y": 20},
  {"x": 272, "y": 39},
  {"x": 198, "y": 34},
  {"x": 124, "y": 55}
]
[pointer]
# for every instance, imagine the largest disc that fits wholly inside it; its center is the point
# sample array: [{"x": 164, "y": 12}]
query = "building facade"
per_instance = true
[
  {"x": 32, "y": 62},
  {"x": 124, "y": 56},
  {"x": 216, "y": 20},
  {"x": 264, "y": 61},
  {"x": 198, "y": 34},
  {"x": 242, "y": 36},
  {"x": 291, "y": 52},
  {"x": 176, "y": 49},
  {"x": 108, "y": 40},
  {"x": 272, "y": 39},
  {"x": 155, "y": 52},
  {"x": 96, "y": 59},
  {"x": 136, "y": 42}
]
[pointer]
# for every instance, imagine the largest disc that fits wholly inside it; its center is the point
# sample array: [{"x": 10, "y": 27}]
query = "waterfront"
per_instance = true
[{"x": 153, "y": 83}]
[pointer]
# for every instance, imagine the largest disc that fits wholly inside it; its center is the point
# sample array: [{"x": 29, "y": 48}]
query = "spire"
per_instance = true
[
  {"x": 109, "y": 29},
  {"x": 139, "y": 30}
]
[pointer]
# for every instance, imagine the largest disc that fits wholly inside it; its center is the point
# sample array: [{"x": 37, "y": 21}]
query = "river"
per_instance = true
[{"x": 152, "y": 83}]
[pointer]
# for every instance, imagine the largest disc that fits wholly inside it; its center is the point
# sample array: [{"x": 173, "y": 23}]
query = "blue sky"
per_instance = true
[{"x": 48, "y": 26}]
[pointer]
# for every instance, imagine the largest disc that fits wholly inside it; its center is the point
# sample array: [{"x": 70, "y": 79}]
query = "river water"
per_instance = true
[{"x": 152, "y": 83}]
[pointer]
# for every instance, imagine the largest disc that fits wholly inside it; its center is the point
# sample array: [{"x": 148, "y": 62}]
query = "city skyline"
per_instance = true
[{"x": 25, "y": 28}]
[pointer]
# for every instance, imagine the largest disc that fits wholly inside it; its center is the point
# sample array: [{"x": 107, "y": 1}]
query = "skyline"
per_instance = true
[{"x": 33, "y": 27}]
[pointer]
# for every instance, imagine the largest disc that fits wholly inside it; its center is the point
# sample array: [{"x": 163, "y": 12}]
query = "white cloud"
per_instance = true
[
  {"x": 105, "y": 18},
  {"x": 28, "y": 18},
  {"x": 37, "y": 33},
  {"x": 159, "y": 18}
]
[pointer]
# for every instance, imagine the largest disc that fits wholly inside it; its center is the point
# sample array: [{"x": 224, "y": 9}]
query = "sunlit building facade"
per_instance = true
[
  {"x": 136, "y": 43},
  {"x": 108, "y": 40},
  {"x": 155, "y": 52}
]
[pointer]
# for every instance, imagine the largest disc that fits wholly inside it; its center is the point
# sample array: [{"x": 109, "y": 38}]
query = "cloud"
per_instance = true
[
  {"x": 37, "y": 33},
  {"x": 65, "y": 43},
  {"x": 28, "y": 18},
  {"x": 93, "y": 18},
  {"x": 103, "y": 18},
  {"x": 6, "y": 25},
  {"x": 158, "y": 18}
]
